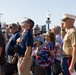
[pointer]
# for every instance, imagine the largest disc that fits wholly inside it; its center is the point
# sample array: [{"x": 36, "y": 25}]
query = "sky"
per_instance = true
[{"x": 15, "y": 10}]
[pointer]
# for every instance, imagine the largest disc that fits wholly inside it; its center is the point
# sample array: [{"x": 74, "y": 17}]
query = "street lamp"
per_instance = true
[{"x": 48, "y": 15}]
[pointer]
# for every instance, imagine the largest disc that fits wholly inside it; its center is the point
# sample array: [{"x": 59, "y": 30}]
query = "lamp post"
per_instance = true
[{"x": 48, "y": 15}]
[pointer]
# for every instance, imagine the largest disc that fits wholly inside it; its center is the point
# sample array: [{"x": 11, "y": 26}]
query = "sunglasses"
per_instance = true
[{"x": 26, "y": 22}]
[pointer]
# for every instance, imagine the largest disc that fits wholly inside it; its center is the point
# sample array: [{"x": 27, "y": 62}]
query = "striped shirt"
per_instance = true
[{"x": 44, "y": 58}]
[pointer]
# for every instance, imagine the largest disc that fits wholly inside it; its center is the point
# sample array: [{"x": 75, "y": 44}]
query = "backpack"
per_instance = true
[
  {"x": 57, "y": 69},
  {"x": 38, "y": 70}
]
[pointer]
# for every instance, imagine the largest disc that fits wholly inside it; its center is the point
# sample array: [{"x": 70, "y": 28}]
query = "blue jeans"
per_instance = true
[
  {"x": 48, "y": 70},
  {"x": 65, "y": 66}
]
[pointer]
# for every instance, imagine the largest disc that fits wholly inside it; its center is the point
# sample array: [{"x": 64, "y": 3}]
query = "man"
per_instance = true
[
  {"x": 69, "y": 43},
  {"x": 58, "y": 44},
  {"x": 25, "y": 48},
  {"x": 13, "y": 28},
  {"x": 2, "y": 50}
]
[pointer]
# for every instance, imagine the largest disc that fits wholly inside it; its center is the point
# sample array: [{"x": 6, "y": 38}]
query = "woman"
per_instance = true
[{"x": 46, "y": 54}]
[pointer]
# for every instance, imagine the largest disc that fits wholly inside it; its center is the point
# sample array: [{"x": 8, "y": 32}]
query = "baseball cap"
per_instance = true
[{"x": 13, "y": 25}]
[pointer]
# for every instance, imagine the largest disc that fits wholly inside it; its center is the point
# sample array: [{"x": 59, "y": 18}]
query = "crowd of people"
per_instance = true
[{"x": 27, "y": 49}]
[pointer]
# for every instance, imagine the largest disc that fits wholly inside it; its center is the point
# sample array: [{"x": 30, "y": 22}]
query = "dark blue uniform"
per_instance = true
[
  {"x": 11, "y": 43},
  {"x": 27, "y": 40}
]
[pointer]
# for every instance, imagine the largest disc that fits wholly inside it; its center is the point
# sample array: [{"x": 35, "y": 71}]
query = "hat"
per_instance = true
[
  {"x": 66, "y": 16},
  {"x": 13, "y": 25}
]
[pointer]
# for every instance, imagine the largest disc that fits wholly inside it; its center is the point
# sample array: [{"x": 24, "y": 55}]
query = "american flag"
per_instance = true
[{"x": 44, "y": 57}]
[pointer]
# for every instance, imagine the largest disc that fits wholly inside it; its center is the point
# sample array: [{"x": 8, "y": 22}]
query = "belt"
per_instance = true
[{"x": 66, "y": 56}]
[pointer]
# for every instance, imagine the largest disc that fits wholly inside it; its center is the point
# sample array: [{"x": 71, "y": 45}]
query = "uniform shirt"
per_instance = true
[
  {"x": 44, "y": 57},
  {"x": 11, "y": 43},
  {"x": 27, "y": 40},
  {"x": 59, "y": 45},
  {"x": 69, "y": 41}
]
